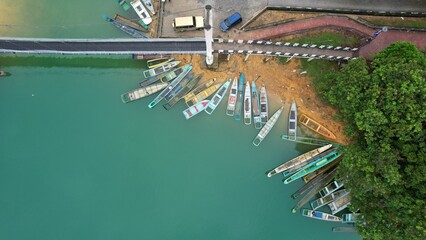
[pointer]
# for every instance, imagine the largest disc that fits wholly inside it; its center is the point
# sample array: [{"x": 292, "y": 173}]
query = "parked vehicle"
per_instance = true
[
  {"x": 230, "y": 21},
  {"x": 188, "y": 23}
]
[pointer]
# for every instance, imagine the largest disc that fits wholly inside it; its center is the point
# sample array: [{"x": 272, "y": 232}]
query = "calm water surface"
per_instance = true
[{"x": 77, "y": 163}]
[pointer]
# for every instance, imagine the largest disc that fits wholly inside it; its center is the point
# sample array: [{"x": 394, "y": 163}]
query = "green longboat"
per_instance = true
[{"x": 333, "y": 155}]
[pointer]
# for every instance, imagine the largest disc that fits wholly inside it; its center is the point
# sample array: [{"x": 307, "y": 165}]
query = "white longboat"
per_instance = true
[
  {"x": 217, "y": 97},
  {"x": 292, "y": 122},
  {"x": 268, "y": 126},
  {"x": 263, "y": 105},
  {"x": 143, "y": 92},
  {"x": 247, "y": 104},
  {"x": 149, "y": 6},
  {"x": 320, "y": 215},
  {"x": 299, "y": 160},
  {"x": 232, "y": 99}
]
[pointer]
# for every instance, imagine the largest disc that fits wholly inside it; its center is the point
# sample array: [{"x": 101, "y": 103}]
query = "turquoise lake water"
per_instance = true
[{"x": 77, "y": 163}]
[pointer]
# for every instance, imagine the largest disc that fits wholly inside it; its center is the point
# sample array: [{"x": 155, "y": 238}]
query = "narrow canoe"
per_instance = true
[
  {"x": 264, "y": 108},
  {"x": 316, "y": 127},
  {"x": 328, "y": 199},
  {"x": 141, "y": 11},
  {"x": 149, "y": 6},
  {"x": 333, "y": 155},
  {"x": 179, "y": 86},
  {"x": 299, "y": 160},
  {"x": 292, "y": 121},
  {"x": 324, "y": 169},
  {"x": 268, "y": 126},
  {"x": 217, "y": 97},
  {"x": 350, "y": 217},
  {"x": 247, "y": 104},
  {"x": 340, "y": 204},
  {"x": 142, "y": 92},
  {"x": 130, "y": 31},
  {"x": 153, "y": 63},
  {"x": 240, "y": 95},
  {"x": 255, "y": 106},
  {"x": 160, "y": 69},
  {"x": 320, "y": 215},
  {"x": 169, "y": 87},
  {"x": 129, "y": 23},
  {"x": 203, "y": 95},
  {"x": 308, "y": 186},
  {"x": 195, "y": 109},
  {"x": 232, "y": 98},
  {"x": 165, "y": 77},
  {"x": 198, "y": 89},
  {"x": 184, "y": 91},
  {"x": 149, "y": 56},
  {"x": 314, "y": 190}
]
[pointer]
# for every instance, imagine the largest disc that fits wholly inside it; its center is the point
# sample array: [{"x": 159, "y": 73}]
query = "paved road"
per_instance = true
[
  {"x": 114, "y": 46},
  {"x": 367, "y": 5}
]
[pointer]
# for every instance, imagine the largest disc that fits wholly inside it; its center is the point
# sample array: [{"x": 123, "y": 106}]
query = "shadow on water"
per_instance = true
[{"x": 71, "y": 61}]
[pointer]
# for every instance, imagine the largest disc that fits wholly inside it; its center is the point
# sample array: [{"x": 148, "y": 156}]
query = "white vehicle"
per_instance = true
[
  {"x": 141, "y": 11},
  {"x": 188, "y": 23}
]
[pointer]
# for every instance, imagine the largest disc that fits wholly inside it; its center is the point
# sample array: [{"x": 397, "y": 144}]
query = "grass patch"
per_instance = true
[
  {"x": 397, "y": 23},
  {"x": 318, "y": 67},
  {"x": 333, "y": 39}
]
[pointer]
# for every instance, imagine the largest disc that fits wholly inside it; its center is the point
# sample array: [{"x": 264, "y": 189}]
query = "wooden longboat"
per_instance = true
[
  {"x": 153, "y": 63},
  {"x": 232, "y": 99},
  {"x": 317, "y": 203},
  {"x": 314, "y": 190},
  {"x": 217, "y": 97},
  {"x": 326, "y": 168},
  {"x": 331, "y": 156},
  {"x": 179, "y": 87},
  {"x": 169, "y": 87},
  {"x": 316, "y": 127},
  {"x": 119, "y": 18},
  {"x": 255, "y": 106},
  {"x": 330, "y": 188},
  {"x": 292, "y": 122},
  {"x": 320, "y": 215},
  {"x": 165, "y": 77},
  {"x": 308, "y": 186},
  {"x": 198, "y": 89},
  {"x": 142, "y": 92},
  {"x": 130, "y": 31},
  {"x": 299, "y": 160},
  {"x": 183, "y": 91},
  {"x": 160, "y": 69},
  {"x": 340, "y": 204},
  {"x": 247, "y": 104},
  {"x": 203, "y": 95}
]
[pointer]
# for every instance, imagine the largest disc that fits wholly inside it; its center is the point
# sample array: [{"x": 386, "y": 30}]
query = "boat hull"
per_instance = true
[
  {"x": 267, "y": 127},
  {"x": 292, "y": 122},
  {"x": 232, "y": 99},
  {"x": 142, "y": 92},
  {"x": 160, "y": 69},
  {"x": 240, "y": 95},
  {"x": 264, "y": 108},
  {"x": 195, "y": 109},
  {"x": 320, "y": 216},
  {"x": 247, "y": 104},
  {"x": 217, "y": 98}
]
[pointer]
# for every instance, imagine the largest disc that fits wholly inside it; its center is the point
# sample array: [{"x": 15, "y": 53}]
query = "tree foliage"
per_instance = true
[{"x": 384, "y": 107}]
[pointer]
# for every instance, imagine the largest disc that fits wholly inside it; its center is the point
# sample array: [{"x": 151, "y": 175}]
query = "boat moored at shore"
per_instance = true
[
  {"x": 264, "y": 108},
  {"x": 129, "y": 23},
  {"x": 149, "y": 6},
  {"x": 316, "y": 127},
  {"x": 165, "y": 77},
  {"x": 340, "y": 204},
  {"x": 142, "y": 92},
  {"x": 240, "y": 95},
  {"x": 320, "y": 215},
  {"x": 328, "y": 199},
  {"x": 195, "y": 109},
  {"x": 129, "y": 30},
  {"x": 203, "y": 95},
  {"x": 160, "y": 69},
  {"x": 232, "y": 99},
  {"x": 292, "y": 122},
  {"x": 153, "y": 63},
  {"x": 217, "y": 97},
  {"x": 330, "y": 188},
  {"x": 169, "y": 87},
  {"x": 268, "y": 126},
  {"x": 299, "y": 160},
  {"x": 247, "y": 104},
  {"x": 182, "y": 92},
  {"x": 255, "y": 106}
]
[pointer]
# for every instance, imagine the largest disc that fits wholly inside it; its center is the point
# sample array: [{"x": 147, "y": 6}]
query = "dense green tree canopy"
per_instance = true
[{"x": 384, "y": 107}]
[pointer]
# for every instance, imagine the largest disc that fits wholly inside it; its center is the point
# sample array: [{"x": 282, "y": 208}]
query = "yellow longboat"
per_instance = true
[
  {"x": 316, "y": 127},
  {"x": 198, "y": 89},
  {"x": 203, "y": 95}
]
